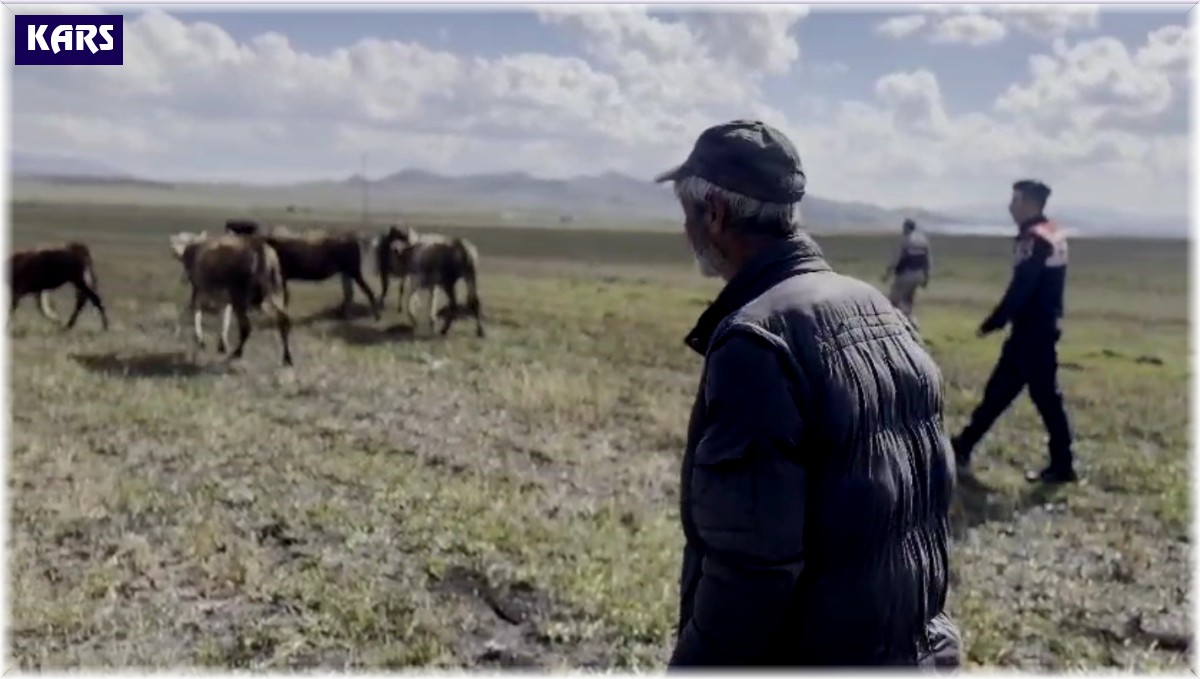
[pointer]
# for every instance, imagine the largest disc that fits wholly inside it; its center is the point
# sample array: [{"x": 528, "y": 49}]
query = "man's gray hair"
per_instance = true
[{"x": 746, "y": 214}]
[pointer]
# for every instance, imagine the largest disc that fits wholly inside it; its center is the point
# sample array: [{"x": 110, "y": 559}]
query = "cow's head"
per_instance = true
[{"x": 181, "y": 241}]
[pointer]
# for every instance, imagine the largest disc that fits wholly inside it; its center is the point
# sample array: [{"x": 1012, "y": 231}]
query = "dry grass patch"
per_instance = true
[{"x": 399, "y": 501}]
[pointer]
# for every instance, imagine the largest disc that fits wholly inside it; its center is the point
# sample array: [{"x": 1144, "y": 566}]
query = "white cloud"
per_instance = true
[
  {"x": 975, "y": 30},
  {"x": 901, "y": 26},
  {"x": 192, "y": 100},
  {"x": 906, "y": 146},
  {"x": 753, "y": 41},
  {"x": 681, "y": 63},
  {"x": 191, "y": 89},
  {"x": 915, "y": 100},
  {"x": 74, "y": 131},
  {"x": 980, "y": 25},
  {"x": 1167, "y": 49},
  {"x": 1049, "y": 21},
  {"x": 1100, "y": 82}
]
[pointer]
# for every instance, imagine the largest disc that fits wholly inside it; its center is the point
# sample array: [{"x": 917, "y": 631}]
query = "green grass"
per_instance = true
[{"x": 396, "y": 501}]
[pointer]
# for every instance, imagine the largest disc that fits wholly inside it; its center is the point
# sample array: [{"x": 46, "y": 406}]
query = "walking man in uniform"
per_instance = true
[
  {"x": 817, "y": 478},
  {"x": 1033, "y": 305},
  {"x": 910, "y": 268}
]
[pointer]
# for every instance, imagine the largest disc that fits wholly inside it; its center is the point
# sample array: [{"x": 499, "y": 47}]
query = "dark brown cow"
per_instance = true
[
  {"x": 243, "y": 227},
  {"x": 431, "y": 261},
  {"x": 315, "y": 256},
  {"x": 236, "y": 272},
  {"x": 39, "y": 270}
]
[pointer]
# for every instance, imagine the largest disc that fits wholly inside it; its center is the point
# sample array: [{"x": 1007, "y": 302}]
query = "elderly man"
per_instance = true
[
  {"x": 909, "y": 268},
  {"x": 816, "y": 481}
]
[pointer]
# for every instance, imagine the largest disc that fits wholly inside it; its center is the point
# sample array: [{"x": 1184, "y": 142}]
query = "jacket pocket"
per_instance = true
[{"x": 723, "y": 486}]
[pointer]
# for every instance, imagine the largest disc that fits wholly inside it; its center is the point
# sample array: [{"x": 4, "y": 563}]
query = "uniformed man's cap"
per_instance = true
[{"x": 747, "y": 157}]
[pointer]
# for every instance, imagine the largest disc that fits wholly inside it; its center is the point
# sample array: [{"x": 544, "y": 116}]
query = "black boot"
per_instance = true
[{"x": 1052, "y": 475}]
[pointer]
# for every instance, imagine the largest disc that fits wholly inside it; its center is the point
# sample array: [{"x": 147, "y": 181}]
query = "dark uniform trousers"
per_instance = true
[{"x": 1029, "y": 358}]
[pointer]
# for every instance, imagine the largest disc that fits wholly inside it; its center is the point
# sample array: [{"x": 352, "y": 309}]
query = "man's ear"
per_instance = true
[{"x": 715, "y": 212}]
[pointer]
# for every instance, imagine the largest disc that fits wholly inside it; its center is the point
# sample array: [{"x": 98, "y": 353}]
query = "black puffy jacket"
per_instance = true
[{"x": 817, "y": 479}]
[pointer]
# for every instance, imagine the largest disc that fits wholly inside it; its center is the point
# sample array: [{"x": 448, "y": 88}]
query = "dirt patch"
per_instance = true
[{"x": 506, "y": 634}]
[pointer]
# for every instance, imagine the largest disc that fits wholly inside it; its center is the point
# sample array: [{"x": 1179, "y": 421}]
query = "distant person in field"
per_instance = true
[
  {"x": 909, "y": 268},
  {"x": 817, "y": 478},
  {"x": 1033, "y": 305}
]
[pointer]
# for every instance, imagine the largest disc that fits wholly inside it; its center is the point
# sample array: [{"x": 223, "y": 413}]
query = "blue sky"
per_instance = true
[
  {"x": 972, "y": 76},
  {"x": 626, "y": 90}
]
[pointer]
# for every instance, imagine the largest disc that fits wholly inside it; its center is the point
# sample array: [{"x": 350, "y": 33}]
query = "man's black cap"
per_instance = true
[{"x": 747, "y": 157}]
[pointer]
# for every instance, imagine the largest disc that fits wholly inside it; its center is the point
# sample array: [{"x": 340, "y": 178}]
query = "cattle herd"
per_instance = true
[{"x": 248, "y": 267}]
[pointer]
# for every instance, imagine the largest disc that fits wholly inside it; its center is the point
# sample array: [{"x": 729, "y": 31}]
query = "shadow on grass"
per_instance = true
[
  {"x": 976, "y": 503},
  {"x": 370, "y": 335},
  {"x": 357, "y": 311},
  {"x": 158, "y": 364}
]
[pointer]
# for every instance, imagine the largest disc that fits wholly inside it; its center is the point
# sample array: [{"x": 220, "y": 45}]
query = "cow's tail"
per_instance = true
[
  {"x": 85, "y": 259},
  {"x": 368, "y": 250},
  {"x": 274, "y": 276}
]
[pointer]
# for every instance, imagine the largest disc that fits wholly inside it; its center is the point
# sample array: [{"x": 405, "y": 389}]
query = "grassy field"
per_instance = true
[{"x": 399, "y": 500}]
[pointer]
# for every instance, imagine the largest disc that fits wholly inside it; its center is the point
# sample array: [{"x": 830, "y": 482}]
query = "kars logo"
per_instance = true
[{"x": 69, "y": 40}]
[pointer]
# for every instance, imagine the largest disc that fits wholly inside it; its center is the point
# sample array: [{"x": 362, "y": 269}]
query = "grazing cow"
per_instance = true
[
  {"x": 39, "y": 270},
  {"x": 431, "y": 261},
  {"x": 315, "y": 256},
  {"x": 237, "y": 272}
]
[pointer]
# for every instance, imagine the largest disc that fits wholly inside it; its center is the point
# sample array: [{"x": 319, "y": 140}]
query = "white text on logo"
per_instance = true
[{"x": 60, "y": 38}]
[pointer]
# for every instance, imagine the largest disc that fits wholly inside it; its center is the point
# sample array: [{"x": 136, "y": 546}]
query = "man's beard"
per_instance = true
[
  {"x": 706, "y": 269},
  {"x": 707, "y": 260}
]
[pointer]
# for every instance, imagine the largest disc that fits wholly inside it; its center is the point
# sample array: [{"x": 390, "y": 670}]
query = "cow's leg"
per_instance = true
[
  {"x": 99, "y": 304},
  {"x": 431, "y": 297},
  {"x": 449, "y": 312},
  {"x": 375, "y": 305},
  {"x": 44, "y": 306},
  {"x": 384, "y": 279},
  {"x": 81, "y": 298},
  {"x": 197, "y": 320},
  {"x": 12, "y": 308},
  {"x": 347, "y": 295},
  {"x": 283, "y": 322},
  {"x": 243, "y": 319},
  {"x": 473, "y": 305},
  {"x": 86, "y": 293},
  {"x": 476, "y": 308},
  {"x": 226, "y": 320},
  {"x": 407, "y": 307}
]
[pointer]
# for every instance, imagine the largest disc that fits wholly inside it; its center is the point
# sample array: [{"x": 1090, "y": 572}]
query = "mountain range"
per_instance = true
[{"x": 608, "y": 197}]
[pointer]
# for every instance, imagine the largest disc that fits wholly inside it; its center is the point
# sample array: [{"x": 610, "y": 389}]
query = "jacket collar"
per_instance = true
[
  {"x": 796, "y": 255},
  {"x": 1028, "y": 224}
]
